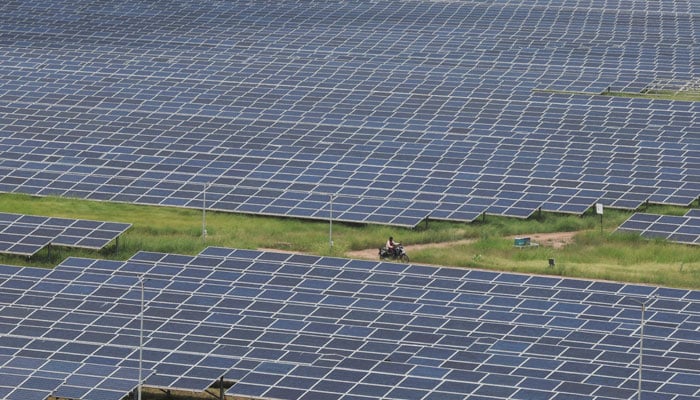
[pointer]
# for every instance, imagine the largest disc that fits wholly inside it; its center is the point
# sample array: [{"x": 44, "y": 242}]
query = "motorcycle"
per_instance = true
[{"x": 398, "y": 254}]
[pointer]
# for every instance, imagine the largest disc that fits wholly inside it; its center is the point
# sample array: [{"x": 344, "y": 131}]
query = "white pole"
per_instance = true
[
  {"x": 204, "y": 211},
  {"x": 643, "y": 305},
  {"x": 330, "y": 224},
  {"x": 641, "y": 352},
  {"x": 141, "y": 345}
]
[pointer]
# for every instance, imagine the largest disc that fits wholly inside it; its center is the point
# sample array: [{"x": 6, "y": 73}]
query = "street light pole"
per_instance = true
[
  {"x": 140, "y": 345},
  {"x": 204, "y": 211},
  {"x": 641, "y": 352},
  {"x": 330, "y": 223},
  {"x": 643, "y": 305}
]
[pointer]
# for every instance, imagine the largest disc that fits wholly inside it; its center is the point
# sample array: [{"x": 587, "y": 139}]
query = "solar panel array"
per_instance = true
[
  {"x": 27, "y": 234},
  {"x": 402, "y": 110},
  {"x": 36, "y": 378},
  {"x": 291, "y": 326},
  {"x": 680, "y": 229}
]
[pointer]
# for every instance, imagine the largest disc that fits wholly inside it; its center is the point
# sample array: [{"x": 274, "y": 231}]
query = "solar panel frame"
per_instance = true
[
  {"x": 28, "y": 234},
  {"x": 679, "y": 229}
]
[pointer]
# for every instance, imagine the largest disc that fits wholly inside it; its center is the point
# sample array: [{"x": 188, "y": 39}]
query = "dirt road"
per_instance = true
[{"x": 554, "y": 240}]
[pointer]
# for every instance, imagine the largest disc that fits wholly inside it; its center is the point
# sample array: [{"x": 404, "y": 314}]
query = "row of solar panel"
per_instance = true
[
  {"x": 27, "y": 234},
  {"x": 615, "y": 192},
  {"x": 261, "y": 380},
  {"x": 328, "y": 143},
  {"x": 618, "y": 29},
  {"x": 414, "y": 331},
  {"x": 527, "y": 155},
  {"x": 680, "y": 229},
  {"x": 186, "y": 78},
  {"x": 333, "y": 103},
  {"x": 436, "y": 181},
  {"x": 34, "y": 378},
  {"x": 405, "y": 98},
  {"x": 336, "y": 106},
  {"x": 571, "y": 173}
]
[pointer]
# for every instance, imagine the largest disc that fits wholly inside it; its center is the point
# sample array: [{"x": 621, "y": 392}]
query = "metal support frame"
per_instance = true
[
  {"x": 204, "y": 211},
  {"x": 330, "y": 222},
  {"x": 641, "y": 353},
  {"x": 140, "y": 385},
  {"x": 643, "y": 305}
]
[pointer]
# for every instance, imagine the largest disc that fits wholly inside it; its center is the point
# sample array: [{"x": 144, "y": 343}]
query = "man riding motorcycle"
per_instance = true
[{"x": 392, "y": 246}]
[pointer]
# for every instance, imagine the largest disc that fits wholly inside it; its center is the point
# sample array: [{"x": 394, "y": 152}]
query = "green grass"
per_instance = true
[
  {"x": 595, "y": 253},
  {"x": 661, "y": 94}
]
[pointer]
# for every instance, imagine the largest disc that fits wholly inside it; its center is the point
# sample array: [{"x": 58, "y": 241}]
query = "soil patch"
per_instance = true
[{"x": 555, "y": 240}]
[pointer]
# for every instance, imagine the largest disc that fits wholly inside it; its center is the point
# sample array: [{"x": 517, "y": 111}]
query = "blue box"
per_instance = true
[{"x": 522, "y": 241}]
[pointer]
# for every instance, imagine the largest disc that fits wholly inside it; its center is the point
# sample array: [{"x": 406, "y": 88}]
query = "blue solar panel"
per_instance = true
[
  {"x": 416, "y": 328},
  {"x": 443, "y": 115},
  {"x": 358, "y": 122},
  {"x": 28, "y": 234},
  {"x": 680, "y": 229}
]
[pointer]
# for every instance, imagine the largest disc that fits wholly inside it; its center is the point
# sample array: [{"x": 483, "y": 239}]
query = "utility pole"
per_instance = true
[
  {"x": 643, "y": 305},
  {"x": 204, "y": 211},
  {"x": 330, "y": 223},
  {"x": 140, "y": 385}
]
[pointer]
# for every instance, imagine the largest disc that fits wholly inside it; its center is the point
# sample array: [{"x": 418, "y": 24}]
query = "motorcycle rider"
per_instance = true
[{"x": 392, "y": 246}]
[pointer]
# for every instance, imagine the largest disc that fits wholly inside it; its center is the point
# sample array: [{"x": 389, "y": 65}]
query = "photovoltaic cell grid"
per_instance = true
[
  {"x": 27, "y": 234},
  {"x": 303, "y": 327},
  {"x": 33, "y": 378},
  {"x": 402, "y": 110},
  {"x": 681, "y": 229}
]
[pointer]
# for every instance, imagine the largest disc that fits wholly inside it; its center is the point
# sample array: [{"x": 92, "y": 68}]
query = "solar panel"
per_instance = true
[
  {"x": 680, "y": 229},
  {"x": 416, "y": 110},
  {"x": 28, "y": 234},
  {"x": 693, "y": 213},
  {"x": 28, "y": 377},
  {"x": 426, "y": 331},
  {"x": 418, "y": 120}
]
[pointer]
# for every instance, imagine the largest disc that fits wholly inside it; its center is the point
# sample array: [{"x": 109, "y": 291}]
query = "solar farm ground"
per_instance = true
[{"x": 486, "y": 244}]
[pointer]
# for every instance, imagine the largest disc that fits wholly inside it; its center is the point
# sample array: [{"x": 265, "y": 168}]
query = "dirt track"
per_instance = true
[{"x": 554, "y": 240}]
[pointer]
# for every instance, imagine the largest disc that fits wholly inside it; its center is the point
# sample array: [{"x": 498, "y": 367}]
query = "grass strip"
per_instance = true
[{"x": 595, "y": 252}]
